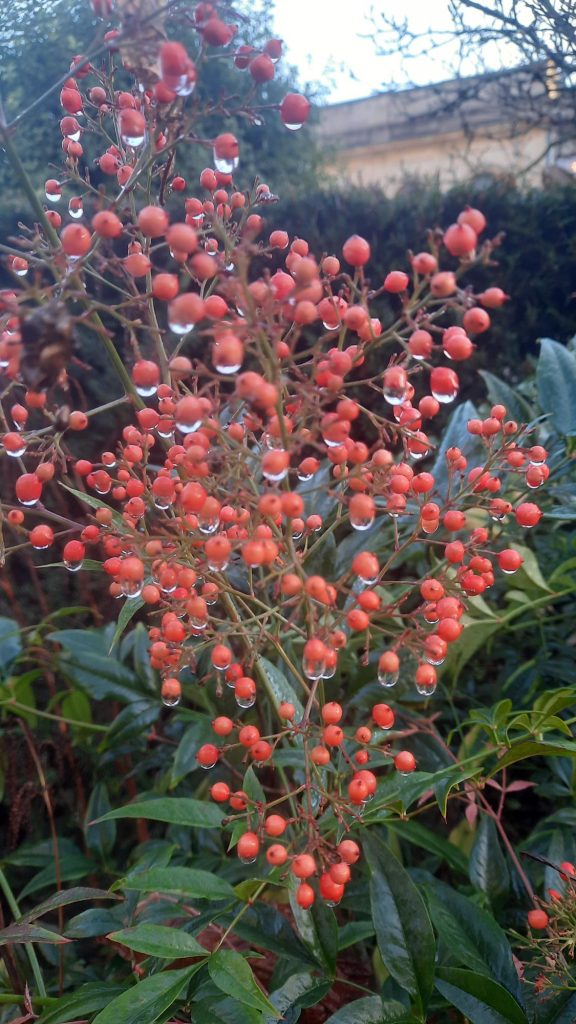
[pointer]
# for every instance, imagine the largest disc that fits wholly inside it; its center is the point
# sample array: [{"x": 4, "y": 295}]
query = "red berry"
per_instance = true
[{"x": 538, "y": 919}]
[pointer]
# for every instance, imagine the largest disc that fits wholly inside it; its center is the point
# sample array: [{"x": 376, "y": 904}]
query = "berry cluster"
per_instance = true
[{"x": 262, "y": 500}]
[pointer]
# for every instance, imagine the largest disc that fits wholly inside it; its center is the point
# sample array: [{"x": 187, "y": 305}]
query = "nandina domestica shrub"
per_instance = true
[{"x": 258, "y": 505}]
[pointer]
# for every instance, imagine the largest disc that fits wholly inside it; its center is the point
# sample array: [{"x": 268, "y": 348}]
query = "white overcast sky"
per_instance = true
[{"x": 323, "y": 40}]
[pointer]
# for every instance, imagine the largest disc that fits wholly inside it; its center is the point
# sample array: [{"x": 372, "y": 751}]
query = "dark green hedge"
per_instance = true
[{"x": 536, "y": 262}]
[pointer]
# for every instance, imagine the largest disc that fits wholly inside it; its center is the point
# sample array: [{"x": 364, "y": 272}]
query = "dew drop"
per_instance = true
[
  {"x": 15, "y": 454},
  {"x": 226, "y": 165},
  {"x": 76, "y": 208},
  {"x": 133, "y": 140},
  {"x": 171, "y": 701},
  {"x": 72, "y": 564},
  {"x": 388, "y": 679},
  {"x": 146, "y": 392},
  {"x": 53, "y": 197},
  {"x": 131, "y": 588},
  {"x": 445, "y": 397},
  {"x": 246, "y": 702},
  {"x": 361, "y": 522},
  {"x": 425, "y": 689},
  {"x": 395, "y": 396}
]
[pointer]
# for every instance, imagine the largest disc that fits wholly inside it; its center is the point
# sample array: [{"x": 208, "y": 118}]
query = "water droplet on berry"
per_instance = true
[
  {"x": 171, "y": 701},
  {"x": 188, "y": 426},
  {"x": 53, "y": 197},
  {"x": 425, "y": 689},
  {"x": 226, "y": 165},
  {"x": 246, "y": 702},
  {"x": 294, "y": 128},
  {"x": 146, "y": 392},
  {"x": 388, "y": 679},
  {"x": 76, "y": 207},
  {"x": 177, "y": 327},
  {"x": 133, "y": 140},
  {"x": 227, "y": 368},
  {"x": 72, "y": 564},
  {"x": 361, "y": 522},
  {"x": 444, "y": 397},
  {"x": 131, "y": 588},
  {"x": 395, "y": 395},
  {"x": 15, "y": 452},
  {"x": 247, "y": 860}
]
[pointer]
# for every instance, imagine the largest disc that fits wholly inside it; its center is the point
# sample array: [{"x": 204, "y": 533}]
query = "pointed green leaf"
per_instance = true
[
  {"x": 488, "y": 866},
  {"x": 556, "y": 380},
  {"x": 232, "y": 974},
  {"x": 160, "y": 941},
  {"x": 174, "y": 810},
  {"x": 200, "y": 885},
  {"x": 23, "y": 932},
  {"x": 403, "y": 929},
  {"x": 361, "y": 1011},
  {"x": 148, "y": 1000},
  {"x": 78, "y": 1005},
  {"x": 78, "y": 894},
  {"x": 480, "y": 999}
]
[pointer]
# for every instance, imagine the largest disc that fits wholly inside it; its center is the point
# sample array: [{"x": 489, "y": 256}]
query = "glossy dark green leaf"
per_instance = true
[
  {"x": 318, "y": 930},
  {"x": 533, "y": 748},
  {"x": 132, "y": 722},
  {"x": 471, "y": 935},
  {"x": 160, "y": 941},
  {"x": 278, "y": 687},
  {"x": 479, "y": 998},
  {"x": 556, "y": 381},
  {"x": 91, "y": 923},
  {"x": 232, "y": 973},
  {"x": 127, "y": 612},
  {"x": 71, "y": 867},
  {"x": 501, "y": 393},
  {"x": 199, "y": 885},
  {"x": 488, "y": 866},
  {"x": 456, "y": 435},
  {"x": 415, "y": 833},
  {"x": 288, "y": 997},
  {"x": 100, "y": 837},
  {"x": 78, "y": 894},
  {"x": 362, "y": 1011},
  {"x": 559, "y": 1009},
  {"x": 10, "y": 643},
  {"x": 24, "y": 932},
  {"x": 266, "y": 927},
  {"x": 78, "y": 1005},
  {"x": 174, "y": 810},
  {"x": 403, "y": 928},
  {"x": 148, "y": 1000}
]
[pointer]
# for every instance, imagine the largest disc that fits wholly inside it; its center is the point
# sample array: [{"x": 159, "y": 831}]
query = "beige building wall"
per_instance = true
[
  {"x": 444, "y": 157},
  {"x": 449, "y": 132}
]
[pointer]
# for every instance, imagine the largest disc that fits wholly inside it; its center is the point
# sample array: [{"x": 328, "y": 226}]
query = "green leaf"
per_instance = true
[
  {"x": 78, "y": 1005},
  {"x": 101, "y": 837},
  {"x": 232, "y": 973},
  {"x": 78, "y": 894},
  {"x": 456, "y": 434},
  {"x": 96, "y": 503},
  {"x": 91, "y": 923},
  {"x": 318, "y": 930},
  {"x": 556, "y": 382},
  {"x": 10, "y": 643},
  {"x": 479, "y": 998},
  {"x": 251, "y": 786},
  {"x": 127, "y": 612},
  {"x": 532, "y": 748},
  {"x": 148, "y": 1000},
  {"x": 500, "y": 393},
  {"x": 72, "y": 866},
  {"x": 471, "y": 935},
  {"x": 488, "y": 866},
  {"x": 174, "y": 810},
  {"x": 560, "y": 1010},
  {"x": 362, "y": 1011},
  {"x": 28, "y": 933},
  {"x": 158, "y": 940},
  {"x": 415, "y": 833},
  {"x": 403, "y": 929},
  {"x": 133, "y": 721},
  {"x": 200, "y": 885},
  {"x": 278, "y": 687}
]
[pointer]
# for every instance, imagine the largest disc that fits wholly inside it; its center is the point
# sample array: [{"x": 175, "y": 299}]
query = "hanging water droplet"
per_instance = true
[
  {"x": 72, "y": 564},
  {"x": 135, "y": 140},
  {"x": 388, "y": 679},
  {"x": 188, "y": 427},
  {"x": 53, "y": 196},
  {"x": 303, "y": 477},
  {"x": 171, "y": 700},
  {"x": 15, "y": 453},
  {"x": 208, "y": 524},
  {"x": 361, "y": 522},
  {"x": 246, "y": 702},
  {"x": 248, "y": 860},
  {"x": 313, "y": 669},
  {"x": 76, "y": 207},
  {"x": 146, "y": 392},
  {"x": 226, "y": 165},
  {"x": 131, "y": 588},
  {"x": 445, "y": 397},
  {"x": 395, "y": 395},
  {"x": 425, "y": 689}
]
